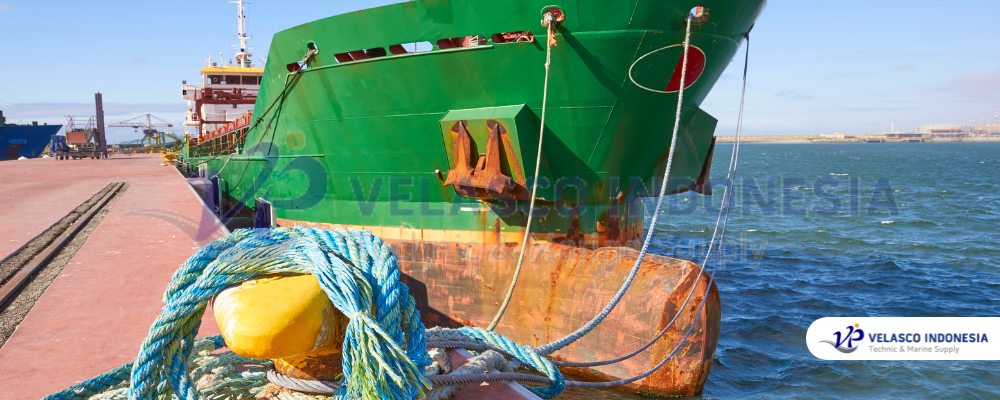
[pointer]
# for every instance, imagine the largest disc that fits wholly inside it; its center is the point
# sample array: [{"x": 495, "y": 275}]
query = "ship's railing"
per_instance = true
[
  {"x": 220, "y": 94},
  {"x": 227, "y": 139}
]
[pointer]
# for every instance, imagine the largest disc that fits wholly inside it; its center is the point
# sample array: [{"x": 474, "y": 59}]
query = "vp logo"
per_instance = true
[{"x": 844, "y": 343}]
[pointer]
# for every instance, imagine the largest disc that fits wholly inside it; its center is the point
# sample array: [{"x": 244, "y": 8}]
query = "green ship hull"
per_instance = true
[{"x": 434, "y": 151}]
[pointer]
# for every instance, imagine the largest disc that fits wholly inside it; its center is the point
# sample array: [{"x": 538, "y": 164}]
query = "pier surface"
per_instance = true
[{"x": 95, "y": 314}]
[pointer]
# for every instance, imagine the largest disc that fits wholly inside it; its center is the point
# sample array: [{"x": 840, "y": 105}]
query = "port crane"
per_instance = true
[{"x": 148, "y": 123}]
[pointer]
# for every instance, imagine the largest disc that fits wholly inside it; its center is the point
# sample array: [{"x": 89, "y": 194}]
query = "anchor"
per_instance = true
[{"x": 484, "y": 180}]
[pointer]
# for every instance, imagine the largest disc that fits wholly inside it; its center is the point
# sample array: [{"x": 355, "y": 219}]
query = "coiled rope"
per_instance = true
[
  {"x": 384, "y": 350},
  {"x": 356, "y": 271}
]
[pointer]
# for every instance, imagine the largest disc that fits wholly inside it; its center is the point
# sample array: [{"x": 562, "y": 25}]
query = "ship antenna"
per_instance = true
[{"x": 242, "y": 57}]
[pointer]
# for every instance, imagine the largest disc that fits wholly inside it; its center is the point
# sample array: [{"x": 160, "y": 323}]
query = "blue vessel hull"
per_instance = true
[{"x": 25, "y": 140}]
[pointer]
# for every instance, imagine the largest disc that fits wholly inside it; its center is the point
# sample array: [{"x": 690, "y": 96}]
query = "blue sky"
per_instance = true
[{"x": 816, "y": 66}]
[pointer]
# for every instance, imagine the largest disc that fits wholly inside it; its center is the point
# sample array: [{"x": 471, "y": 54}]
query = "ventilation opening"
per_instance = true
[
  {"x": 375, "y": 52},
  {"x": 462, "y": 41},
  {"x": 358, "y": 55},
  {"x": 343, "y": 57},
  {"x": 514, "y": 37},
  {"x": 408, "y": 48}
]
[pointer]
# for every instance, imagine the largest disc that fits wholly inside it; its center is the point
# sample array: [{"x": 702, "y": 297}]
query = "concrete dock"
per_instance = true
[{"x": 95, "y": 314}]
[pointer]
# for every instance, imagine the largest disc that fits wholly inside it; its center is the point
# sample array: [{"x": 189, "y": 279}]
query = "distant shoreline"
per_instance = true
[{"x": 882, "y": 138}]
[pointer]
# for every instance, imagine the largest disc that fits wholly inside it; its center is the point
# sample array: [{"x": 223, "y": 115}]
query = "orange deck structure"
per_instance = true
[{"x": 95, "y": 314}]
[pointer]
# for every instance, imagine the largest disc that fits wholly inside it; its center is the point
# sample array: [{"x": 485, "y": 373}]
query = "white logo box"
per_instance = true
[{"x": 901, "y": 338}]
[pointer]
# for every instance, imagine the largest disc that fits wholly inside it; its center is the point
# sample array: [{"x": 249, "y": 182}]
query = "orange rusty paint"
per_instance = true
[
  {"x": 630, "y": 234},
  {"x": 561, "y": 287}
]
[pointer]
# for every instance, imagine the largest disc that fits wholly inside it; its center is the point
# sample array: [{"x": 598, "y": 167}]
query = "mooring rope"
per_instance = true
[
  {"x": 385, "y": 347},
  {"x": 355, "y": 271},
  {"x": 291, "y": 80},
  {"x": 261, "y": 118},
  {"x": 550, "y": 22},
  {"x": 119, "y": 376},
  {"x": 725, "y": 209},
  {"x": 593, "y": 323},
  {"x": 489, "y": 366},
  {"x": 384, "y": 350},
  {"x": 302, "y": 385}
]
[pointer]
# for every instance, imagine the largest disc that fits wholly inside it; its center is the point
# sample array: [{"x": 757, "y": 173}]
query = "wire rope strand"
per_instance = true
[
  {"x": 534, "y": 184},
  {"x": 724, "y": 209},
  {"x": 584, "y": 330}
]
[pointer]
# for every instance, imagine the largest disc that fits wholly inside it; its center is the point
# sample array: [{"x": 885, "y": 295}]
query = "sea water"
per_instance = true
[{"x": 820, "y": 230}]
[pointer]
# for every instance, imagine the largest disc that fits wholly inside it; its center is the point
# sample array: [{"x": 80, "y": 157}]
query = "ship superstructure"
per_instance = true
[{"x": 227, "y": 91}]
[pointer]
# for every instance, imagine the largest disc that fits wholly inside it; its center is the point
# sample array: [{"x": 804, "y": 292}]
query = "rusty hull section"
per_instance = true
[{"x": 560, "y": 289}]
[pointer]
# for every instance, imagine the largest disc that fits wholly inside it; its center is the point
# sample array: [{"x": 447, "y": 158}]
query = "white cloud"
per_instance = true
[{"x": 977, "y": 86}]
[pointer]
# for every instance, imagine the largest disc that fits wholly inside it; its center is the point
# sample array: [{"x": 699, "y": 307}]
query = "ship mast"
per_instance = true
[{"x": 242, "y": 57}]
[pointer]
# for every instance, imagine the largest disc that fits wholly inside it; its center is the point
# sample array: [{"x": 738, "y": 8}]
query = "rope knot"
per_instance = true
[{"x": 552, "y": 17}]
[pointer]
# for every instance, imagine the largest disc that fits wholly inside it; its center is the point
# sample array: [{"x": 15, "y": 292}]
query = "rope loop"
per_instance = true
[
  {"x": 384, "y": 349},
  {"x": 385, "y": 344},
  {"x": 524, "y": 354}
]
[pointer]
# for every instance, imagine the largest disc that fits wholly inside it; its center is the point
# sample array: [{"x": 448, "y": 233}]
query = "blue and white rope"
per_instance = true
[{"x": 384, "y": 350}]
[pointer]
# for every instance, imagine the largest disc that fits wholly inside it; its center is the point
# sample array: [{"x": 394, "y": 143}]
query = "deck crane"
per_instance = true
[{"x": 148, "y": 123}]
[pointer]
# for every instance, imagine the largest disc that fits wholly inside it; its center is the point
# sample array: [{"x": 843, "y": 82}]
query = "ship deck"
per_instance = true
[{"x": 95, "y": 314}]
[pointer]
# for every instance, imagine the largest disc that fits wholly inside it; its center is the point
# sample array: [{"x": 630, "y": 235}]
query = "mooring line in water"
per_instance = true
[
  {"x": 589, "y": 326},
  {"x": 725, "y": 210},
  {"x": 550, "y": 22}
]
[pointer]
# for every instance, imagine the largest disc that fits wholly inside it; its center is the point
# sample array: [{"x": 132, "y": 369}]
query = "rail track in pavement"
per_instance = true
[{"x": 28, "y": 271}]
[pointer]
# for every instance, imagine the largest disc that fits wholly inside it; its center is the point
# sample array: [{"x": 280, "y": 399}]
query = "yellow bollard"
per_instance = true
[{"x": 285, "y": 318}]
